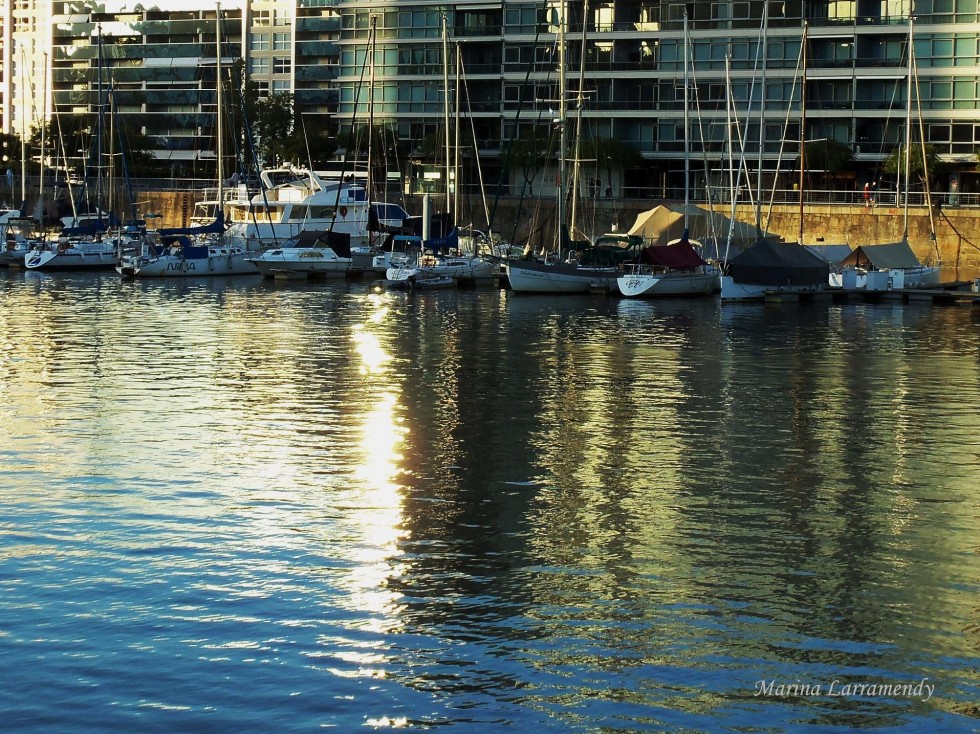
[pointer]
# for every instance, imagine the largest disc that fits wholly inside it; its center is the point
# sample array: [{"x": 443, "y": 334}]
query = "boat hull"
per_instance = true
[
  {"x": 301, "y": 262},
  {"x": 531, "y": 277},
  {"x": 175, "y": 266},
  {"x": 462, "y": 268},
  {"x": 735, "y": 291},
  {"x": 670, "y": 284},
  {"x": 71, "y": 258}
]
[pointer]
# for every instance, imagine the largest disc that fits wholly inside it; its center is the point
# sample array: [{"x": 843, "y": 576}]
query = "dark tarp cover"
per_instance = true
[
  {"x": 449, "y": 242},
  {"x": 339, "y": 242},
  {"x": 215, "y": 227},
  {"x": 676, "y": 256},
  {"x": 778, "y": 264},
  {"x": 883, "y": 257}
]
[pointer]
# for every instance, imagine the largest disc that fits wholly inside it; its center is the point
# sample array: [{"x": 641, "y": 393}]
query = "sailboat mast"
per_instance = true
[
  {"x": 576, "y": 158},
  {"x": 562, "y": 112},
  {"x": 445, "y": 112},
  {"x": 372, "y": 42},
  {"x": 217, "y": 103},
  {"x": 802, "y": 124},
  {"x": 44, "y": 127},
  {"x": 763, "y": 42},
  {"x": 908, "y": 136},
  {"x": 687, "y": 124},
  {"x": 457, "y": 105}
]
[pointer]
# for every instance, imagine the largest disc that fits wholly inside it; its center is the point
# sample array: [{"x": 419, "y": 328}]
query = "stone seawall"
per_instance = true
[{"x": 957, "y": 229}]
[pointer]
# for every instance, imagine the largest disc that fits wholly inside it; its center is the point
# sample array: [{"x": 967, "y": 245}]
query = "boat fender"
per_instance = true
[
  {"x": 62, "y": 247},
  {"x": 343, "y": 212}
]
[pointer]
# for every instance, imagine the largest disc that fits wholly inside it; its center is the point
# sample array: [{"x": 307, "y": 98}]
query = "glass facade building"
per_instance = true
[{"x": 624, "y": 61}]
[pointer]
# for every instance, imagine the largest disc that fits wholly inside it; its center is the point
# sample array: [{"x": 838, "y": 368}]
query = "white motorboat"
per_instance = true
[
  {"x": 293, "y": 200},
  {"x": 308, "y": 255}
]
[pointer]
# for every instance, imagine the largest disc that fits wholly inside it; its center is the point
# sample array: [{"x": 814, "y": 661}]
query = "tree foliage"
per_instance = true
[
  {"x": 831, "y": 156},
  {"x": 610, "y": 153},
  {"x": 895, "y": 163}
]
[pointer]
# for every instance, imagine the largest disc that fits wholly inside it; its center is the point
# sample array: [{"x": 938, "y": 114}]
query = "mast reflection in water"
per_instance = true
[{"x": 235, "y": 506}]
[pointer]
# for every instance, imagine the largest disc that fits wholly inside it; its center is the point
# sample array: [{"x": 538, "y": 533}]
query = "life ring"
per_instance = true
[{"x": 343, "y": 212}]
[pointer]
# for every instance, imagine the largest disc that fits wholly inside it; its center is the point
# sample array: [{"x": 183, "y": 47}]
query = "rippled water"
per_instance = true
[{"x": 234, "y": 506}]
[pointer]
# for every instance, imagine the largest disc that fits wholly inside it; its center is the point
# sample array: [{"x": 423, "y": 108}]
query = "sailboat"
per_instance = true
[
  {"x": 894, "y": 265},
  {"x": 768, "y": 266},
  {"x": 596, "y": 266},
  {"x": 441, "y": 259},
  {"x": 194, "y": 251},
  {"x": 89, "y": 241},
  {"x": 676, "y": 269}
]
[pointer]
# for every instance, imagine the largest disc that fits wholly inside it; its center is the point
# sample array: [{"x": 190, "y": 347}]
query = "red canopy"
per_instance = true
[{"x": 679, "y": 255}]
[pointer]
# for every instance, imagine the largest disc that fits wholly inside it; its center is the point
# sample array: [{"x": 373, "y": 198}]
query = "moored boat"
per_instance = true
[
  {"x": 671, "y": 270},
  {"x": 310, "y": 254}
]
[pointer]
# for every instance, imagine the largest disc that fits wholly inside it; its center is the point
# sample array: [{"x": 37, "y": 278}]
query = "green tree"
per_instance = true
[
  {"x": 273, "y": 126},
  {"x": 11, "y": 153},
  {"x": 895, "y": 163}
]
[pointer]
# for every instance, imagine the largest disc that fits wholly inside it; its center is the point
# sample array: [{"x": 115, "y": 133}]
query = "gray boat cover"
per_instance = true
[{"x": 883, "y": 257}]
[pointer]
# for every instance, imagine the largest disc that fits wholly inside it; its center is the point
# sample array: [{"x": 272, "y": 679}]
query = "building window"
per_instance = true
[
  {"x": 259, "y": 65},
  {"x": 280, "y": 41},
  {"x": 260, "y": 41},
  {"x": 280, "y": 65}
]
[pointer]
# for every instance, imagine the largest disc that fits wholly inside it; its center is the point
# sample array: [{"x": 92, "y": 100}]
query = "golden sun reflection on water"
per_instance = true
[{"x": 379, "y": 513}]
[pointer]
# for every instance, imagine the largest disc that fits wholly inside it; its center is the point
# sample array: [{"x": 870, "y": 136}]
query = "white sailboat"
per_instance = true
[
  {"x": 441, "y": 259},
  {"x": 676, "y": 269},
  {"x": 321, "y": 223},
  {"x": 194, "y": 251},
  {"x": 84, "y": 242}
]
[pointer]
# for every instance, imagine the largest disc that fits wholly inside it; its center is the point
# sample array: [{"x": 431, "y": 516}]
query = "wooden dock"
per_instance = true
[{"x": 952, "y": 294}]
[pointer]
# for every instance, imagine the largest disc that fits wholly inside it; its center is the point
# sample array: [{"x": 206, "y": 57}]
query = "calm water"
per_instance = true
[{"x": 232, "y": 506}]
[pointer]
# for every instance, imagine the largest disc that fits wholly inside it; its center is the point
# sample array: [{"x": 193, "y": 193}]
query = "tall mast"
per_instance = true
[
  {"x": 445, "y": 112},
  {"x": 372, "y": 41},
  {"x": 763, "y": 42},
  {"x": 908, "y": 136},
  {"x": 560, "y": 210},
  {"x": 687, "y": 125},
  {"x": 802, "y": 125},
  {"x": 217, "y": 103},
  {"x": 579, "y": 102}
]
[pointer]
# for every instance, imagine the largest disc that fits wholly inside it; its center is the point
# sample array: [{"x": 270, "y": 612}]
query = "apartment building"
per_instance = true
[
  {"x": 698, "y": 93},
  {"x": 625, "y": 72}
]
